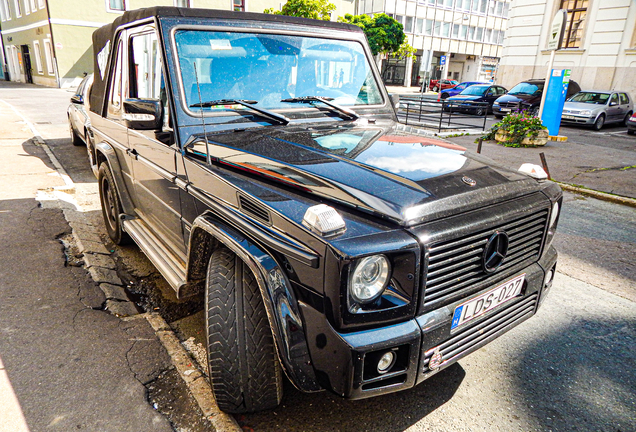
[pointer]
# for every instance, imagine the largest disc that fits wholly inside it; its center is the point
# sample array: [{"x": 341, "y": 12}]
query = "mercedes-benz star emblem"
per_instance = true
[
  {"x": 495, "y": 251},
  {"x": 469, "y": 181}
]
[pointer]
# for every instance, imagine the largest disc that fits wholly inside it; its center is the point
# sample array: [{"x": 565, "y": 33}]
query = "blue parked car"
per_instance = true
[
  {"x": 453, "y": 91},
  {"x": 476, "y": 93}
]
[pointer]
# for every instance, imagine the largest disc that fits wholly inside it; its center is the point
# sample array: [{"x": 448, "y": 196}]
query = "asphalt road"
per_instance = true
[{"x": 570, "y": 368}]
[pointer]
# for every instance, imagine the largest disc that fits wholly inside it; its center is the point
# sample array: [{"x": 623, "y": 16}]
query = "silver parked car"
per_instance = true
[
  {"x": 595, "y": 108},
  {"x": 78, "y": 121}
]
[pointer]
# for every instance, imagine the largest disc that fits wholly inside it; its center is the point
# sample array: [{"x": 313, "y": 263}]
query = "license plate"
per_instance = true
[
  {"x": 569, "y": 117},
  {"x": 506, "y": 109},
  {"x": 486, "y": 302}
]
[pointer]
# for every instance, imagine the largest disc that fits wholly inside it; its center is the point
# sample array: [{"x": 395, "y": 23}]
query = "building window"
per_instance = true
[
  {"x": 429, "y": 28},
  {"x": 239, "y": 5},
  {"x": 27, "y": 9},
  {"x": 116, "y": 5},
  {"x": 419, "y": 26},
  {"x": 463, "y": 5},
  {"x": 408, "y": 24},
  {"x": 41, "y": 4},
  {"x": 5, "y": 13},
  {"x": 18, "y": 8},
  {"x": 34, "y": 7},
  {"x": 48, "y": 56},
  {"x": 456, "y": 31},
  {"x": 576, "y": 9},
  {"x": 182, "y": 3},
  {"x": 38, "y": 59}
]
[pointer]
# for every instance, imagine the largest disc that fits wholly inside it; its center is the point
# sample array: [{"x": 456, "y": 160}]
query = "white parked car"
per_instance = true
[{"x": 596, "y": 108}]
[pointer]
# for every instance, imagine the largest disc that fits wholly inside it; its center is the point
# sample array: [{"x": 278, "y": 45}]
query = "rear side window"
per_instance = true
[
  {"x": 624, "y": 98},
  {"x": 115, "y": 98}
]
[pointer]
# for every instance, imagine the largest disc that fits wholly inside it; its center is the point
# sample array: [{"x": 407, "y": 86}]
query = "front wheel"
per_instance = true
[
  {"x": 111, "y": 206},
  {"x": 435, "y": 88},
  {"x": 444, "y": 96},
  {"x": 480, "y": 112},
  {"x": 242, "y": 360},
  {"x": 534, "y": 111},
  {"x": 600, "y": 121}
]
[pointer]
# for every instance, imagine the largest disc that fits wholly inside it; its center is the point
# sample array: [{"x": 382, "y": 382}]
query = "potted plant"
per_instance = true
[{"x": 519, "y": 129}]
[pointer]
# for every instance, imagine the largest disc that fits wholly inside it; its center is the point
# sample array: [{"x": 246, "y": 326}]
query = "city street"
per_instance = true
[{"x": 572, "y": 367}]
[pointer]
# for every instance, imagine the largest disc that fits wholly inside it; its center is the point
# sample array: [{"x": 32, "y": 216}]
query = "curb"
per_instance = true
[
  {"x": 559, "y": 138},
  {"x": 195, "y": 381},
  {"x": 101, "y": 268},
  {"x": 616, "y": 199}
]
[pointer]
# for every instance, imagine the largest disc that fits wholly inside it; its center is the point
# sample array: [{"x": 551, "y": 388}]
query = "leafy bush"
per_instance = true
[{"x": 516, "y": 126}]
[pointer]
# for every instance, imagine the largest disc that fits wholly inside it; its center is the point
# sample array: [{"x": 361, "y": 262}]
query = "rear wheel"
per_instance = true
[
  {"x": 626, "y": 119},
  {"x": 111, "y": 206},
  {"x": 600, "y": 121},
  {"x": 75, "y": 139},
  {"x": 243, "y": 364},
  {"x": 435, "y": 88}
]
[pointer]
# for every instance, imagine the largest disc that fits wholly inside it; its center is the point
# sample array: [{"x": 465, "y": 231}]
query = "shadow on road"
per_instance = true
[
  {"x": 582, "y": 377},
  {"x": 328, "y": 412}
]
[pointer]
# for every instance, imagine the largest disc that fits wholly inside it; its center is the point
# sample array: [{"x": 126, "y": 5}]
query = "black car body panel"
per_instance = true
[
  {"x": 514, "y": 101},
  {"x": 228, "y": 174}
]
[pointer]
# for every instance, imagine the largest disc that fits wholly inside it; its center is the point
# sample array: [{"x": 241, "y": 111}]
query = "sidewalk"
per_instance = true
[{"x": 64, "y": 363}]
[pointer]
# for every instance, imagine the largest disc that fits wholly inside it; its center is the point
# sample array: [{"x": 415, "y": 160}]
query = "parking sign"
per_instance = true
[{"x": 442, "y": 60}]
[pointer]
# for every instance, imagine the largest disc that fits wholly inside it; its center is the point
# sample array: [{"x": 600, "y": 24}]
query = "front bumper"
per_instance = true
[
  {"x": 575, "y": 119},
  {"x": 346, "y": 362}
]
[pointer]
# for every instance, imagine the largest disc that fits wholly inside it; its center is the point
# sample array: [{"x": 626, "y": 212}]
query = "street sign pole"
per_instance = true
[{"x": 555, "y": 40}]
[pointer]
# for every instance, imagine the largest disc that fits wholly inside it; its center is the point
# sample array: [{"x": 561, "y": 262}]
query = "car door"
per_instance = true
[
  {"x": 491, "y": 95},
  {"x": 623, "y": 100},
  {"x": 154, "y": 152},
  {"x": 614, "y": 111}
]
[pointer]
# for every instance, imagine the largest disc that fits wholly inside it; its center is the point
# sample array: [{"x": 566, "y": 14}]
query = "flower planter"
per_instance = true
[{"x": 540, "y": 140}]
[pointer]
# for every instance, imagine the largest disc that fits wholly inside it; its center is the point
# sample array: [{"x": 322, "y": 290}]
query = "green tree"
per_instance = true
[
  {"x": 315, "y": 9},
  {"x": 385, "y": 34}
]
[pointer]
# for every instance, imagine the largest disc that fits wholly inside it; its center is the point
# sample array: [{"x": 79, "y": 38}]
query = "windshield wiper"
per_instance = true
[
  {"x": 344, "y": 112},
  {"x": 278, "y": 118}
]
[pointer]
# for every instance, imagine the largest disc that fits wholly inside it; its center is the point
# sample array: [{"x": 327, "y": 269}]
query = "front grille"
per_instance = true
[
  {"x": 509, "y": 104},
  {"x": 455, "y": 266},
  {"x": 477, "y": 335}
]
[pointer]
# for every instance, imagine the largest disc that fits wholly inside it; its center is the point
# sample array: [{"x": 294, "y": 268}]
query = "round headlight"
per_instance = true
[
  {"x": 555, "y": 214},
  {"x": 369, "y": 278}
]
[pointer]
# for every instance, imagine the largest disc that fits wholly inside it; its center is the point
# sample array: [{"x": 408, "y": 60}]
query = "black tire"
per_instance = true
[
  {"x": 435, "y": 88},
  {"x": 75, "y": 139},
  {"x": 111, "y": 206},
  {"x": 244, "y": 370},
  {"x": 534, "y": 111},
  {"x": 631, "y": 131},
  {"x": 444, "y": 96},
  {"x": 600, "y": 121},
  {"x": 499, "y": 116},
  {"x": 626, "y": 119},
  {"x": 479, "y": 111}
]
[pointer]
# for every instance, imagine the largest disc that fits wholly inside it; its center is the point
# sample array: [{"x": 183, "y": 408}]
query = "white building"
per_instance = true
[
  {"x": 599, "y": 44},
  {"x": 468, "y": 33}
]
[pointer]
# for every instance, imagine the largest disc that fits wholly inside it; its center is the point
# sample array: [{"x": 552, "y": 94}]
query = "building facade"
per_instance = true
[
  {"x": 454, "y": 39},
  {"x": 599, "y": 45},
  {"x": 49, "y": 42}
]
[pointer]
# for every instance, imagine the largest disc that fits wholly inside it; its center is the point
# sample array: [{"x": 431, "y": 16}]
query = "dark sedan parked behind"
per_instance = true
[
  {"x": 468, "y": 99},
  {"x": 454, "y": 91}
]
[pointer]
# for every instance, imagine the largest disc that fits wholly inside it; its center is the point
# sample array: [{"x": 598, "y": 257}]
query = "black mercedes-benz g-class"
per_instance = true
[{"x": 258, "y": 159}]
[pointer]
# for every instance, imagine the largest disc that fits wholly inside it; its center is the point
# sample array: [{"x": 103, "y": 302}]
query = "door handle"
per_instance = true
[{"x": 132, "y": 153}]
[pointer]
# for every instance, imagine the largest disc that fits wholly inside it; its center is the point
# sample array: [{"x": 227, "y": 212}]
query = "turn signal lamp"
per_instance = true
[
  {"x": 324, "y": 220},
  {"x": 534, "y": 171}
]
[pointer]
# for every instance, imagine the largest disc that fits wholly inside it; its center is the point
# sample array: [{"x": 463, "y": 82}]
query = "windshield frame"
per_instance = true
[{"x": 243, "y": 28}]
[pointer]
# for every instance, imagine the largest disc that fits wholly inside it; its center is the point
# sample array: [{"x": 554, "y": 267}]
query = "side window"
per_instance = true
[
  {"x": 501, "y": 91},
  {"x": 614, "y": 99},
  {"x": 624, "y": 99},
  {"x": 115, "y": 97},
  {"x": 146, "y": 72},
  {"x": 491, "y": 91}
]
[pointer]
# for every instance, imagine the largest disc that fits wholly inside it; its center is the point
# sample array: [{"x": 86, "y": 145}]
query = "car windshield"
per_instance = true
[
  {"x": 526, "y": 88},
  {"x": 269, "y": 68},
  {"x": 591, "y": 98},
  {"x": 475, "y": 90}
]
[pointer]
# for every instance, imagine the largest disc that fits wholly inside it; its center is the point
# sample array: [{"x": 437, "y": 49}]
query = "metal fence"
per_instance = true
[{"x": 442, "y": 115}]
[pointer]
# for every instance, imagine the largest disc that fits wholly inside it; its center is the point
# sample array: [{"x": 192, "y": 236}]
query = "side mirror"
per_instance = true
[
  {"x": 77, "y": 99},
  {"x": 613, "y": 103},
  {"x": 143, "y": 114}
]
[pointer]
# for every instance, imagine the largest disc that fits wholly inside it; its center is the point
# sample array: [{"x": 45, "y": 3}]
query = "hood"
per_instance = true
[
  {"x": 576, "y": 107},
  {"x": 529, "y": 99},
  {"x": 381, "y": 170}
]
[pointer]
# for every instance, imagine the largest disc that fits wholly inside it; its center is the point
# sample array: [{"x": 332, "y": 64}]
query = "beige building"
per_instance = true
[
  {"x": 599, "y": 44},
  {"x": 48, "y": 42}
]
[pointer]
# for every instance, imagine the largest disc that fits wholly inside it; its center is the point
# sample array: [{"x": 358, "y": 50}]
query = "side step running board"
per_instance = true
[{"x": 171, "y": 267}]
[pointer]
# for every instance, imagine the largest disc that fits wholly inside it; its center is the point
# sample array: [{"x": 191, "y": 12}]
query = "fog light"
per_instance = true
[
  {"x": 386, "y": 362},
  {"x": 548, "y": 279}
]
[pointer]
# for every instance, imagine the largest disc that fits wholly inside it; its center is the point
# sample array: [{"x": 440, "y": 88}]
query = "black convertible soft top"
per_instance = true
[{"x": 103, "y": 45}]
